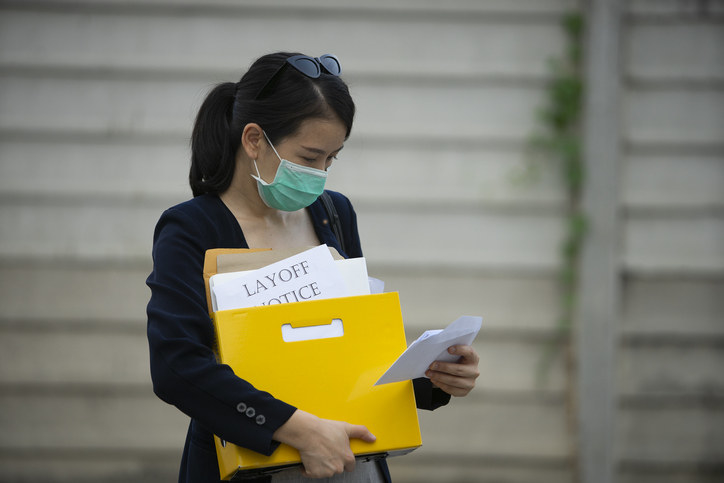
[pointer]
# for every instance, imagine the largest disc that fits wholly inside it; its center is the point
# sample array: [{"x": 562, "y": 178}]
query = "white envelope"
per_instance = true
[{"x": 432, "y": 346}]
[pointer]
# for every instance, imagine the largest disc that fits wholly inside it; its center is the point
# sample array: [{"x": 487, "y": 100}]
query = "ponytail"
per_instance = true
[{"x": 214, "y": 142}]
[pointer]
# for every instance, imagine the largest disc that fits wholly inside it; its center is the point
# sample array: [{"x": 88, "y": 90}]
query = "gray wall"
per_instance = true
[
  {"x": 671, "y": 335},
  {"x": 96, "y": 104}
]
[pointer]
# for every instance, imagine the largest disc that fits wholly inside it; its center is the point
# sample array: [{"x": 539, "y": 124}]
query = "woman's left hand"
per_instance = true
[{"x": 456, "y": 378}]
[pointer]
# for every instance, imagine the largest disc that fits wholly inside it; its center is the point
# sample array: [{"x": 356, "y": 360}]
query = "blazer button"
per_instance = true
[
  {"x": 260, "y": 419},
  {"x": 250, "y": 411},
  {"x": 241, "y": 407}
]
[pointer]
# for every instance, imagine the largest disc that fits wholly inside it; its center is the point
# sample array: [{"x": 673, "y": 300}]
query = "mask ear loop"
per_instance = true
[
  {"x": 272, "y": 146},
  {"x": 258, "y": 174}
]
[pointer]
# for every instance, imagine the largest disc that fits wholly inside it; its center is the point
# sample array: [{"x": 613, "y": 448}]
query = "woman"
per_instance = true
[{"x": 260, "y": 153}]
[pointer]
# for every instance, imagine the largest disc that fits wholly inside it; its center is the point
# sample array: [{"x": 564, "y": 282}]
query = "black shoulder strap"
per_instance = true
[{"x": 333, "y": 218}]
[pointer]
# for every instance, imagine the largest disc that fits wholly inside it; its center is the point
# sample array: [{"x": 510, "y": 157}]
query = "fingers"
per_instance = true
[
  {"x": 466, "y": 352},
  {"x": 456, "y": 378},
  {"x": 454, "y": 385},
  {"x": 455, "y": 369},
  {"x": 326, "y": 466},
  {"x": 350, "y": 463},
  {"x": 328, "y": 469},
  {"x": 466, "y": 366},
  {"x": 330, "y": 453},
  {"x": 360, "y": 432}
]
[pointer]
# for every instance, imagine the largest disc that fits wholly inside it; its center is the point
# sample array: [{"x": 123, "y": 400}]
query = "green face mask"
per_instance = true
[{"x": 294, "y": 186}]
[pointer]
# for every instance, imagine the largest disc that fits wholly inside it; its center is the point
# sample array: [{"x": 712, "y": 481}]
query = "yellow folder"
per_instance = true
[{"x": 332, "y": 377}]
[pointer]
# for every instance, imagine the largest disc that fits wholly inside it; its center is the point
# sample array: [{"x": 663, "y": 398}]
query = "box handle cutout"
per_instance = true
[{"x": 312, "y": 332}]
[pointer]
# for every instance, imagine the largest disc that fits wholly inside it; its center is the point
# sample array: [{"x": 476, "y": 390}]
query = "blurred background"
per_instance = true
[{"x": 97, "y": 99}]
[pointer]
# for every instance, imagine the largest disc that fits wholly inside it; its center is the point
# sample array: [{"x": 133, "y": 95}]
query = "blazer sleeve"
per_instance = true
[
  {"x": 184, "y": 369},
  {"x": 427, "y": 396}
]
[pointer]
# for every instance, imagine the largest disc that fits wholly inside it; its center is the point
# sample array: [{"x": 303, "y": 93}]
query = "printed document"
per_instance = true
[{"x": 309, "y": 275}]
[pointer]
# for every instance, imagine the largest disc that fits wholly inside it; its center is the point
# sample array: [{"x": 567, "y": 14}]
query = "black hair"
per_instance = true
[{"x": 290, "y": 99}]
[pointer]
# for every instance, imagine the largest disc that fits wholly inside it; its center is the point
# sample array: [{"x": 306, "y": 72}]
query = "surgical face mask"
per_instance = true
[{"x": 294, "y": 186}]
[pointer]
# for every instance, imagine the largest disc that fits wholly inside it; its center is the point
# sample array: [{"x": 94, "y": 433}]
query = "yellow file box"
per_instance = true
[{"x": 331, "y": 377}]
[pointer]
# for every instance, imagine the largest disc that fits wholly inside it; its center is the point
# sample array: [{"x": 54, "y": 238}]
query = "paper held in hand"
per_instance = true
[{"x": 432, "y": 346}]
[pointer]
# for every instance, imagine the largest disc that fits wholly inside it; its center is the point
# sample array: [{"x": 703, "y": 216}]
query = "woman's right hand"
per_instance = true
[{"x": 322, "y": 443}]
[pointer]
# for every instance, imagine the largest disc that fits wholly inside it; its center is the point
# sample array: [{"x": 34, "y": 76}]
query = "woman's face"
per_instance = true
[{"x": 315, "y": 144}]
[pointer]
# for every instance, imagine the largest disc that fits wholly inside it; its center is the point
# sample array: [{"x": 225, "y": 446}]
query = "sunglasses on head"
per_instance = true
[{"x": 310, "y": 66}]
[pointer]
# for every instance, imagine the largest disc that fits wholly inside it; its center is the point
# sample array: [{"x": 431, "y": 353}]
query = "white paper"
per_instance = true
[
  {"x": 377, "y": 286},
  {"x": 309, "y": 275},
  {"x": 353, "y": 271},
  {"x": 432, "y": 346},
  {"x": 354, "y": 274}
]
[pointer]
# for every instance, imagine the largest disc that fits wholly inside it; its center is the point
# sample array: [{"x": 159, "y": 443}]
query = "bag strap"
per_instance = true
[{"x": 333, "y": 218}]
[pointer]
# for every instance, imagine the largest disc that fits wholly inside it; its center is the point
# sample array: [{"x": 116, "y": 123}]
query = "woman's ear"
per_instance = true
[{"x": 251, "y": 139}]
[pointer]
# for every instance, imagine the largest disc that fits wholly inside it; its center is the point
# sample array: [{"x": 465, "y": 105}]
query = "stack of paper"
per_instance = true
[{"x": 310, "y": 275}]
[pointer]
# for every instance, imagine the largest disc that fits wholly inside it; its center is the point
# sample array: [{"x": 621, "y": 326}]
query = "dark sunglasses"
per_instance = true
[{"x": 310, "y": 66}]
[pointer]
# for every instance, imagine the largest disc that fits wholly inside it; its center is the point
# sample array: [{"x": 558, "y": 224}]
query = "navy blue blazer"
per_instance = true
[{"x": 184, "y": 370}]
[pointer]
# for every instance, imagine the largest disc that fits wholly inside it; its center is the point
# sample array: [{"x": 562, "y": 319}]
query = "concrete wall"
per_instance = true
[
  {"x": 96, "y": 104},
  {"x": 671, "y": 338}
]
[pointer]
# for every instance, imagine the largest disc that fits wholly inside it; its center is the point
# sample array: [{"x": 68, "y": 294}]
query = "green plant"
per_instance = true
[{"x": 559, "y": 141}]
